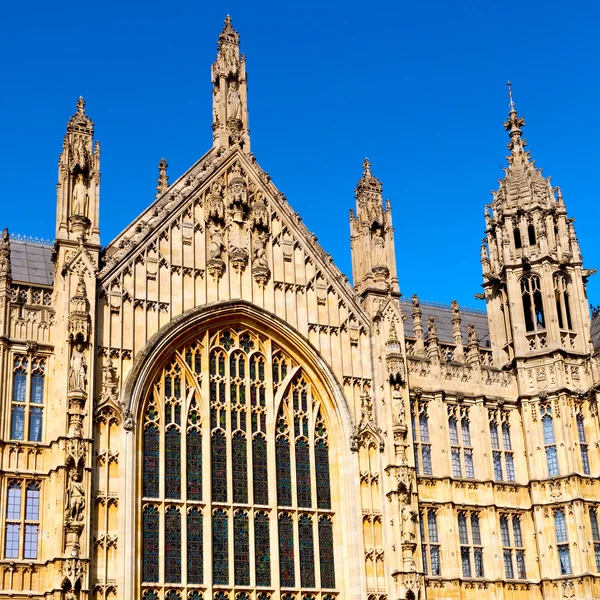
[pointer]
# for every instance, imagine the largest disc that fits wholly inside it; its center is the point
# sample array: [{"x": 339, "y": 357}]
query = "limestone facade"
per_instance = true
[{"x": 205, "y": 408}]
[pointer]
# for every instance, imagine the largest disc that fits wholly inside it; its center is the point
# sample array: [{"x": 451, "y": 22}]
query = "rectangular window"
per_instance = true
[
  {"x": 502, "y": 454},
  {"x": 583, "y": 446},
  {"x": 562, "y": 540},
  {"x": 512, "y": 548},
  {"x": 27, "y": 398},
  {"x": 461, "y": 450},
  {"x": 422, "y": 441},
  {"x": 430, "y": 542},
  {"x": 549, "y": 441},
  {"x": 22, "y": 520},
  {"x": 470, "y": 546}
]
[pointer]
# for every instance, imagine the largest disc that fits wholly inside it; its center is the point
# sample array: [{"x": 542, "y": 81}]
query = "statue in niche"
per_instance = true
[
  {"x": 79, "y": 152},
  {"x": 409, "y": 519},
  {"x": 260, "y": 257},
  {"x": 216, "y": 244},
  {"x": 378, "y": 247},
  {"x": 81, "y": 199},
  {"x": 472, "y": 335},
  {"x": 398, "y": 415},
  {"x": 78, "y": 369},
  {"x": 75, "y": 500},
  {"x": 234, "y": 102},
  {"x": 216, "y": 104}
]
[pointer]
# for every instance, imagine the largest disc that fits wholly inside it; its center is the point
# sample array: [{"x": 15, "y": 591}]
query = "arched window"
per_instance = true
[
  {"x": 517, "y": 236},
  {"x": 561, "y": 297},
  {"x": 533, "y": 308},
  {"x": 210, "y": 520}
]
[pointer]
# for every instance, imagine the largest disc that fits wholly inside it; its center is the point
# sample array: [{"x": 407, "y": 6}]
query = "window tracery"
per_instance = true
[
  {"x": 27, "y": 398},
  {"x": 229, "y": 412},
  {"x": 533, "y": 308}
]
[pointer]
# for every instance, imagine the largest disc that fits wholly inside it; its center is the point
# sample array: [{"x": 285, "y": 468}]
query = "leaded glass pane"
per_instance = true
[
  {"x": 13, "y": 510},
  {"x": 548, "y": 428},
  {"x": 151, "y": 461},
  {"x": 510, "y": 466},
  {"x": 453, "y": 427},
  {"x": 240, "y": 468},
  {"x": 478, "y": 559},
  {"x": 32, "y": 502},
  {"x": 35, "y": 423},
  {"x": 12, "y": 540},
  {"x": 150, "y": 545},
  {"x": 30, "y": 549},
  {"x": 195, "y": 554},
  {"x": 497, "y": 457},
  {"x": 172, "y": 545},
  {"x": 307, "y": 552},
  {"x": 219, "y": 467},
  {"x": 508, "y": 565},
  {"x": 326, "y": 553},
  {"x": 517, "y": 537},
  {"x": 194, "y": 464},
  {"x": 521, "y": 574},
  {"x": 284, "y": 478},
  {"x": 173, "y": 463},
  {"x": 423, "y": 428},
  {"x": 504, "y": 530},
  {"x": 17, "y": 428},
  {"x": 37, "y": 388},
  {"x": 241, "y": 548},
  {"x": 220, "y": 548},
  {"x": 322, "y": 474},
  {"x": 262, "y": 551},
  {"x": 506, "y": 437},
  {"x": 475, "y": 530},
  {"x": 436, "y": 568},
  {"x": 432, "y": 526},
  {"x": 286, "y": 551},
  {"x": 465, "y": 558},
  {"x": 560, "y": 526},
  {"x": 564, "y": 559},
  {"x": 494, "y": 436},
  {"x": 462, "y": 529},
  {"x": 594, "y": 525},
  {"x": 303, "y": 490},
  {"x": 552, "y": 461},
  {"x": 260, "y": 470},
  {"x": 426, "y": 457},
  {"x": 19, "y": 386}
]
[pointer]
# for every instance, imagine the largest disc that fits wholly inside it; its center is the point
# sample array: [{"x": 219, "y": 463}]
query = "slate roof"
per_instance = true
[
  {"x": 31, "y": 262},
  {"x": 443, "y": 321},
  {"x": 595, "y": 331}
]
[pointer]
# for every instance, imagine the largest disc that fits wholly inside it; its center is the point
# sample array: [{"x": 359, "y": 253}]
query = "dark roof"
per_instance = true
[
  {"x": 595, "y": 331},
  {"x": 31, "y": 262},
  {"x": 443, "y": 321}
]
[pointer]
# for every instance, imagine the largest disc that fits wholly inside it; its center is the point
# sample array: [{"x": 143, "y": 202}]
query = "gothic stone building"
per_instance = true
[{"x": 206, "y": 409}]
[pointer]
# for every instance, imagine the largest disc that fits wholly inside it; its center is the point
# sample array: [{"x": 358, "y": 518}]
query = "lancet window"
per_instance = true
[
  {"x": 562, "y": 541},
  {"x": 583, "y": 444},
  {"x": 27, "y": 398},
  {"x": 561, "y": 297},
  {"x": 461, "y": 447},
  {"x": 512, "y": 547},
  {"x": 549, "y": 440},
  {"x": 471, "y": 549},
  {"x": 533, "y": 308},
  {"x": 430, "y": 541},
  {"x": 22, "y": 520},
  {"x": 595, "y": 536},
  {"x": 212, "y": 504}
]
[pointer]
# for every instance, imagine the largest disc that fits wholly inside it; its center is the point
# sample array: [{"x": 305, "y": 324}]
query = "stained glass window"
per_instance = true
[
  {"x": 326, "y": 553},
  {"x": 173, "y": 463},
  {"x": 284, "y": 479},
  {"x": 262, "y": 554},
  {"x": 240, "y": 468},
  {"x": 172, "y": 595},
  {"x": 307, "y": 552},
  {"x": 195, "y": 596},
  {"x": 260, "y": 470},
  {"x": 151, "y": 461},
  {"x": 303, "y": 474},
  {"x": 150, "y": 544},
  {"x": 220, "y": 535},
  {"x": 241, "y": 548},
  {"x": 195, "y": 554},
  {"x": 194, "y": 464},
  {"x": 322, "y": 474},
  {"x": 172, "y": 545},
  {"x": 219, "y": 467},
  {"x": 286, "y": 551},
  {"x": 150, "y": 595}
]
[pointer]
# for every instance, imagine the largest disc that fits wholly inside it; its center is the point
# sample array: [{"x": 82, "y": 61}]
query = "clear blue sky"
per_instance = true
[{"x": 418, "y": 87}]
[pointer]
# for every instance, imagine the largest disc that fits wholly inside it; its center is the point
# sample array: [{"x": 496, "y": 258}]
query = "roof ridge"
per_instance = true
[
  {"x": 477, "y": 311},
  {"x": 30, "y": 239}
]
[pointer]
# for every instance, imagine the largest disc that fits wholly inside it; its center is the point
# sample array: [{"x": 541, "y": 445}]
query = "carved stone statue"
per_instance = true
[
  {"x": 260, "y": 258},
  {"x": 409, "y": 519},
  {"x": 78, "y": 369},
  {"x": 234, "y": 103},
  {"x": 472, "y": 335},
  {"x": 75, "y": 500},
  {"x": 398, "y": 414},
  {"x": 80, "y": 203},
  {"x": 216, "y": 244},
  {"x": 378, "y": 247},
  {"x": 216, "y": 104}
]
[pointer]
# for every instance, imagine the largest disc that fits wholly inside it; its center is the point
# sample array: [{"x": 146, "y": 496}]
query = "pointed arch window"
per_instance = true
[
  {"x": 225, "y": 410},
  {"x": 549, "y": 440},
  {"x": 27, "y": 409},
  {"x": 533, "y": 308},
  {"x": 562, "y": 300},
  {"x": 421, "y": 438}
]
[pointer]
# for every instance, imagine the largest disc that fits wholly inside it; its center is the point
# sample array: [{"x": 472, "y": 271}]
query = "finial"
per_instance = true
[
  {"x": 80, "y": 105},
  {"x": 162, "y": 183},
  {"x": 510, "y": 96},
  {"x": 5, "y": 235},
  {"x": 513, "y": 126},
  {"x": 366, "y": 167}
]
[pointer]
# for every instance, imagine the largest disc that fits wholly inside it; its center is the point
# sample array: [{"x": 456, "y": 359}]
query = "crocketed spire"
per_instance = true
[{"x": 80, "y": 122}]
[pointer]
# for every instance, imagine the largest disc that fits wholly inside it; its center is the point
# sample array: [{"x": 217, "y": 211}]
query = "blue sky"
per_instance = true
[{"x": 418, "y": 87}]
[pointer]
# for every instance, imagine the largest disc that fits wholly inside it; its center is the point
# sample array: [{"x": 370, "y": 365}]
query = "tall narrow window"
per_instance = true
[
  {"x": 241, "y": 548},
  {"x": 13, "y": 520},
  {"x": 583, "y": 445},
  {"x": 27, "y": 398},
  {"x": 549, "y": 440},
  {"x": 172, "y": 545},
  {"x": 220, "y": 547},
  {"x": 533, "y": 308},
  {"x": 150, "y": 544},
  {"x": 595, "y": 536},
  {"x": 562, "y": 541},
  {"x": 421, "y": 439},
  {"x": 561, "y": 297},
  {"x": 531, "y": 234},
  {"x": 502, "y": 452},
  {"x": 260, "y": 474},
  {"x": 195, "y": 554},
  {"x": 287, "y": 574},
  {"x": 517, "y": 236},
  {"x": 326, "y": 553},
  {"x": 461, "y": 448},
  {"x": 307, "y": 552},
  {"x": 471, "y": 549},
  {"x": 262, "y": 549},
  {"x": 430, "y": 542}
]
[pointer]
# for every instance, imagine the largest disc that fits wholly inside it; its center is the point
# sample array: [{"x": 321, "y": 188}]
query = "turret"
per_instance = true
[
  {"x": 372, "y": 238},
  {"x": 534, "y": 278}
]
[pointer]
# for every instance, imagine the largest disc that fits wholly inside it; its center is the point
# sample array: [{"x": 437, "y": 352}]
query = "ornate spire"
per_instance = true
[
  {"x": 368, "y": 182},
  {"x": 513, "y": 126},
  {"x": 230, "y": 107},
  {"x": 162, "y": 183},
  {"x": 80, "y": 122}
]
